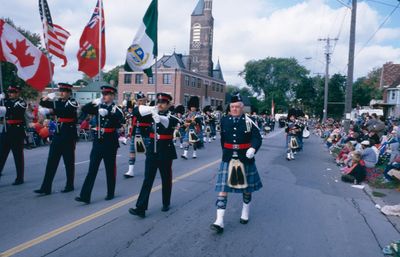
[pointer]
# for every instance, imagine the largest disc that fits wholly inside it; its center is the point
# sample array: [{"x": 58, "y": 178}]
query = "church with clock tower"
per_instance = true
[{"x": 180, "y": 75}]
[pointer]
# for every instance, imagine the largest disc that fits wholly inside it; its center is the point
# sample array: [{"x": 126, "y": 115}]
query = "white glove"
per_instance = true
[
  {"x": 147, "y": 110},
  {"x": 156, "y": 117},
  {"x": 103, "y": 112},
  {"x": 3, "y": 111},
  {"x": 44, "y": 111},
  {"x": 250, "y": 153},
  {"x": 2, "y": 96},
  {"x": 97, "y": 101},
  {"x": 51, "y": 96}
]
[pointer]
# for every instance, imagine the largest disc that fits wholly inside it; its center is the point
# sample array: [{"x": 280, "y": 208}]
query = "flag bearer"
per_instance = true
[
  {"x": 12, "y": 137},
  {"x": 109, "y": 118},
  {"x": 162, "y": 158},
  {"x": 64, "y": 140}
]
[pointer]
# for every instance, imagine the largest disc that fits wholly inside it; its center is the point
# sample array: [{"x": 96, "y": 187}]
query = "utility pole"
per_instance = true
[
  {"x": 350, "y": 68},
  {"x": 328, "y": 61}
]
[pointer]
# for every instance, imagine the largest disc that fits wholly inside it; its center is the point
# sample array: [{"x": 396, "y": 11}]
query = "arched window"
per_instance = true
[{"x": 196, "y": 32}]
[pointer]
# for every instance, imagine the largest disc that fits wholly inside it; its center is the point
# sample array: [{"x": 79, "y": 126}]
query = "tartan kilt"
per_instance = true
[{"x": 253, "y": 179}]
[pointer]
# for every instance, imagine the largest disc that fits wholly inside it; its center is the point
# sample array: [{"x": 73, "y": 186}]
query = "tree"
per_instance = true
[
  {"x": 9, "y": 71},
  {"x": 367, "y": 88},
  {"x": 113, "y": 75},
  {"x": 306, "y": 94},
  {"x": 276, "y": 79}
]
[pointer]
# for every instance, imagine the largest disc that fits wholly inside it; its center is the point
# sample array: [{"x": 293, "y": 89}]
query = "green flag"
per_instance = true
[{"x": 142, "y": 53}]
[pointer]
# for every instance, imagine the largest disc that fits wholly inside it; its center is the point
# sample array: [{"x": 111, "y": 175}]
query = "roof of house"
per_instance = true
[
  {"x": 391, "y": 74},
  {"x": 180, "y": 61},
  {"x": 94, "y": 86},
  {"x": 217, "y": 72}
]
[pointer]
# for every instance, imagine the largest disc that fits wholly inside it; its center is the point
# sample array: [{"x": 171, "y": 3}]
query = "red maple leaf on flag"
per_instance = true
[{"x": 19, "y": 51}]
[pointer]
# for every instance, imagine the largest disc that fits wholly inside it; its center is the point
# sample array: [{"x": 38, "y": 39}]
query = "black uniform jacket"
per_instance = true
[
  {"x": 64, "y": 110},
  {"x": 15, "y": 112},
  {"x": 239, "y": 133}
]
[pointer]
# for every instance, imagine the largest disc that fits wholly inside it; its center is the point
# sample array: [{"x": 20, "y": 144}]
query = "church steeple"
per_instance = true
[{"x": 201, "y": 38}]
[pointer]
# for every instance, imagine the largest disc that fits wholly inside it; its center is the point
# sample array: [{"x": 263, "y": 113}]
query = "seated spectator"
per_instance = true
[
  {"x": 356, "y": 173},
  {"x": 393, "y": 165},
  {"x": 344, "y": 153},
  {"x": 368, "y": 154}
]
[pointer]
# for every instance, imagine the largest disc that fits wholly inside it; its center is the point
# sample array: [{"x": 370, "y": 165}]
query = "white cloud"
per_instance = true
[{"x": 244, "y": 30}]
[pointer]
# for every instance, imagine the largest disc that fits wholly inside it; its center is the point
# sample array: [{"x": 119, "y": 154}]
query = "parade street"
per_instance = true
[{"x": 301, "y": 211}]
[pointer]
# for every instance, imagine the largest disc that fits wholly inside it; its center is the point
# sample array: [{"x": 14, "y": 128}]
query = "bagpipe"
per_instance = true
[{"x": 293, "y": 143}]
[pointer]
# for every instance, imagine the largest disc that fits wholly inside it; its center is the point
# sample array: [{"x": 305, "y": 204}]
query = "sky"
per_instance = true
[{"x": 244, "y": 30}]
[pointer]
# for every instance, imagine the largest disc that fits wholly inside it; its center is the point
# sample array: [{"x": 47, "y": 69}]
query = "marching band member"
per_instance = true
[
  {"x": 193, "y": 124},
  {"x": 292, "y": 129},
  {"x": 13, "y": 134},
  {"x": 180, "y": 131},
  {"x": 140, "y": 138},
  {"x": 64, "y": 140},
  {"x": 209, "y": 122},
  {"x": 159, "y": 158},
  {"x": 240, "y": 141}
]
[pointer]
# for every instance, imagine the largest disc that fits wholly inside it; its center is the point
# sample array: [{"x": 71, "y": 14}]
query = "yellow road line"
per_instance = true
[{"x": 72, "y": 225}]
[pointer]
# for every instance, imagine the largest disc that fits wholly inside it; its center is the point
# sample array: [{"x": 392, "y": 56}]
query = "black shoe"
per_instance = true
[
  {"x": 109, "y": 197},
  {"x": 128, "y": 176},
  {"x": 217, "y": 228},
  {"x": 80, "y": 199},
  {"x": 165, "y": 208},
  {"x": 67, "y": 190},
  {"x": 18, "y": 182},
  {"x": 137, "y": 212},
  {"x": 184, "y": 157},
  {"x": 244, "y": 222},
  {"x": 41, "y": 192}
]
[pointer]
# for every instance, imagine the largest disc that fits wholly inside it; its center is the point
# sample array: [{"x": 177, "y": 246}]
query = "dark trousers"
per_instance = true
[
  {"x": 8, "y": 143},
  {"x": 60, "y": 148},
  {"x": 151, "y": 167},
  {"x": 108, "y": 155}
]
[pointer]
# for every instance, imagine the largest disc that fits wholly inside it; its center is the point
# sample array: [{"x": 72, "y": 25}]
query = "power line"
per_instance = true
[
  {"x": 340, "y": 30},
  {"x": 379, "y": 28},
  {"x": 344, "y": 4},
  {"x": 382, "y": 3}
]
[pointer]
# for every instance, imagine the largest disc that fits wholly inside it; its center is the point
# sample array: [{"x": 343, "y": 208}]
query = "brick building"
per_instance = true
[{"x": 180, "y": 75}]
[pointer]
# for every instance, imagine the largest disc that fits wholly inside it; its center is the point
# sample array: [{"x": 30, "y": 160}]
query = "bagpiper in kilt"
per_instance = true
[
  {"x": 240, "y": 141},
  {"x": 13, "y": 134},
  {"x": 193, "y": 122},
  {"x": 64, "y": 140},
  {"x": 140, "y": 135}
]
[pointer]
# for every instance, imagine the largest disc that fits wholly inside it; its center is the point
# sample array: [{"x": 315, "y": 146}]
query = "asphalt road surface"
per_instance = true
[{"x": 302, "y": 210}]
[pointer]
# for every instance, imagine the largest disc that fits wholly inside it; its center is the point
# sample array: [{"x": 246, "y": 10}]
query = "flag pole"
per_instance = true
[
  {"x": 48, "y": 58},
  {"x": 155, "y": 91},
  {"x": 100, "y": 56},
  {"x": 2, "y": 100}
]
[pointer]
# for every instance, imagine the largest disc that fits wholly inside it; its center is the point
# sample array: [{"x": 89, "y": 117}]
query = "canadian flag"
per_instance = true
[{"x": 32, "y": 65}]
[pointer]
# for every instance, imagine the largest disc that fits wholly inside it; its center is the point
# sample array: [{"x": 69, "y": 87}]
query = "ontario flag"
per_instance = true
[
  {"x": 32, "y": 65},
  {"x": 91, "y": 41}
]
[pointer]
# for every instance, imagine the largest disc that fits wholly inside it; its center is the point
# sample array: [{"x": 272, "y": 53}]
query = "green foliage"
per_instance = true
[
  {"x": 367, "y": 88},
  {"x": 112, "y": 75},
  {"x": 276, "y": 80},
  {"x": 9, "y": 70}
]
